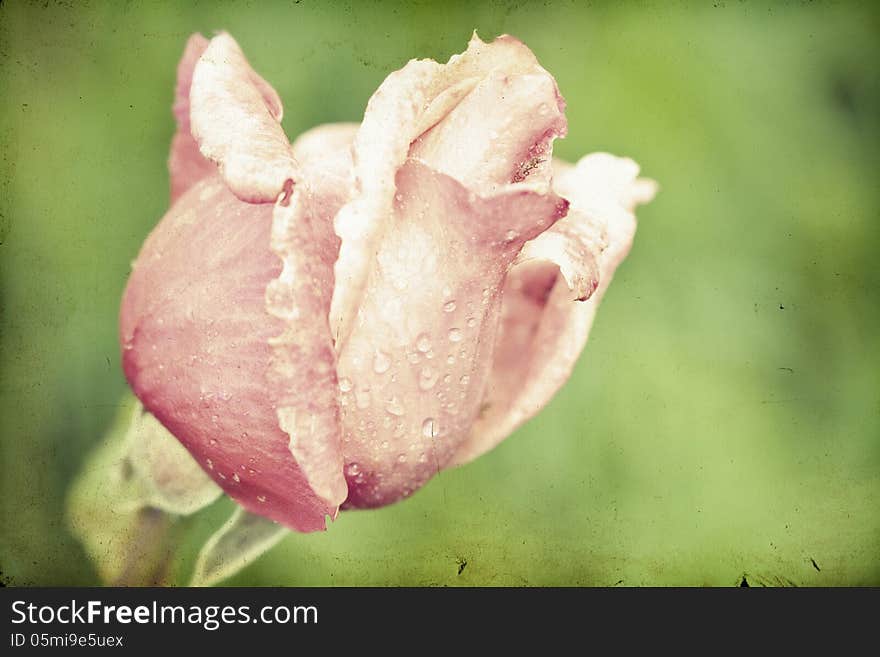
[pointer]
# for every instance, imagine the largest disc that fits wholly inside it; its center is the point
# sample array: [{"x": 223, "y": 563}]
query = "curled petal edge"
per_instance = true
[
  {"x": 235, "y": 116},
  {"x": 582, "y": 251}
]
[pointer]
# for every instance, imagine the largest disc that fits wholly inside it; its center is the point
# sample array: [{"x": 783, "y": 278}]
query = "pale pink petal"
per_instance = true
[
  {"x": 544, "y": 327},
  {"x": 501, "y": 132},
  {"x": 235, "y": 117},
  {"x": 407, "y": 104},
  {"x": 186, "y": 164},
  {"x": 196, "y": 349},
  {"x": 412, "y": 370},
  {"x": 325, "y": 154}
]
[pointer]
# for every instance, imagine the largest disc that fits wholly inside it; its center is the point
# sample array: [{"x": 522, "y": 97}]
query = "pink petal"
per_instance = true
[
  {"x": 419, "y": 352},
  {"x": 407, "y": 104},
  {"x": 235, "y": 117},
  {"x": 196, "y": 350},
  {"x": 185, "y": 163},
  {"x": 325, "y": 152},
  {"x": 543, "y": 327},
  {"x": 499, "y": 133},
  {"x": 304, "y": 361}
]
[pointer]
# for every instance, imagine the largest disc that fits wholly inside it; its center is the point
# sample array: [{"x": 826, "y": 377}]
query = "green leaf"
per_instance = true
[{"x": 243, "y": 538}]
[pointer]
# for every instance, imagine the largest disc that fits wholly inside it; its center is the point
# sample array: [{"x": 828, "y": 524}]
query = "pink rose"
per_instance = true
[{"x": 330, "y": 323}]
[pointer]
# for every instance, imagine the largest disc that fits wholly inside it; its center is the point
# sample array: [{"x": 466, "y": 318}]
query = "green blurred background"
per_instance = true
[{"x": 724, "y": 420}]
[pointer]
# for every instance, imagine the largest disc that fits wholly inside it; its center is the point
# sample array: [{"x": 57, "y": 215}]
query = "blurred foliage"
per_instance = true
[{"x": 724, "y": 421}]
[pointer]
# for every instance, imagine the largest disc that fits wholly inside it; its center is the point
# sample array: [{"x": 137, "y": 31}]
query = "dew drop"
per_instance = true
[
  {"x": 471, "y": 322},
  {"x": 261, "y": 499},
  {"x": 381, "y": 362},
  {"x": 447, "y": 378},
  {"x": 449, "y": 306},
  {"x": 423, "y": 342},
  {"x": 362, "y": 398},
  {"x": 236, "y": 478},
  {"x": 427, "y": 378},
  {"x": 401, "y": 458},
  {"x": 429, "y": 428},
  {"x": 455, "y": 335},
  {"x": 353, "y": 469},
  {"x": 393, "y": 406},
  {"x": 511, "y": 235},
  {"x": 450, "y": 359},
  {"x": 210, "y": 464},
  {"x": 464, "y": 380},
  {"x": 345, "y": 384}
]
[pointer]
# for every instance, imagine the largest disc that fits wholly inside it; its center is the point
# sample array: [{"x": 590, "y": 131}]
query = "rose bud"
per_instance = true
[{"x": 328, "y": 324}]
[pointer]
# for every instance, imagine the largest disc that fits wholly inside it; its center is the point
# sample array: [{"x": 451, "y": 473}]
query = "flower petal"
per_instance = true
[
  {"x": 408, "y": 103},
  {"x": 186, "y": 164},
  {"x": 303, "y": 369},
  {"x": 235, "y": 117},
  {"x": 415, "y": 363},
  {"x": 196, "y": 350},
  {"x": 544, "y": 327},
  {"x": 499, "y": 133}
]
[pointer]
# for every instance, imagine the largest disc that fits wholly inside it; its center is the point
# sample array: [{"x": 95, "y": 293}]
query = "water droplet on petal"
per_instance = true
[
  {"x": 455, "y": 335},
  {"x": 362, "y": 397},
  {"x": 427, "y": 378},
  {"x": 423, "y": 342},
  {"x": 381, "y": 362},
  {"x": 511, "y": 235},
  {"x": 401, "y": 458},
  {"x": 449, "y": 306},
  {"x": 464, "y": 380},
  {"x": 236, "y": 478},
  {"x": 471, "y": 322},
  {"x": 393, "y": 406},
  {"x": 345, "y": 384},
  {"x": 429, "y": 428}
]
